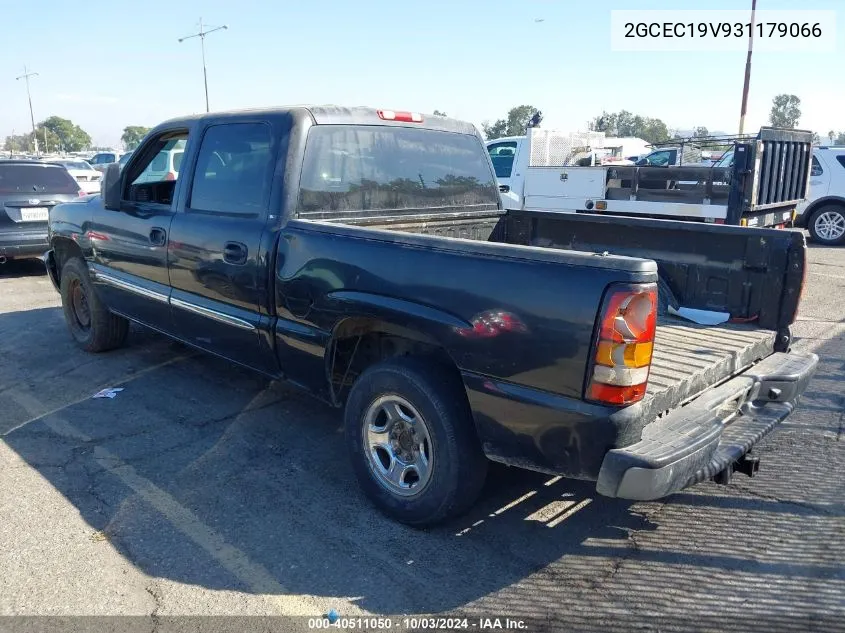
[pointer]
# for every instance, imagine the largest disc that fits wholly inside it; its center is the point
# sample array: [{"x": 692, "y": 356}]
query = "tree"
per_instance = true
[
  {"x": 62, "y": 134},
  {"x": 17, "y": 142},
  {"x": 840, "y": 140},
  {"x": 439, "y": 113},
  {"x": 816, "y": 139},
  {"x": 786, "y": 110},
  {"x": 133, "y": 135},
  {"x": 700, "y": 131},
  {"x": 515, "y": 124},
  {"x": 831, "y": 135},
  {"x": 625, "y": 123}
]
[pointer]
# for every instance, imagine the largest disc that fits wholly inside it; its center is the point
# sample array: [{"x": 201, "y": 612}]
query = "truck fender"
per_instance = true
[{"x": 371, "y": 314}]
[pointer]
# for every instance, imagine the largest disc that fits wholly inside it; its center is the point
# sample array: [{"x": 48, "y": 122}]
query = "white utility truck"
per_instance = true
[{"x": 545, "y": 171}]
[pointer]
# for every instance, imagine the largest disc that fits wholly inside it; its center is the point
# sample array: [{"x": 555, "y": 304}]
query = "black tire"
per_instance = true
[
  {"x": 458, "y": 465},
  {"x": 92, "y": 326},
  {"x": 830, "y": 211}
]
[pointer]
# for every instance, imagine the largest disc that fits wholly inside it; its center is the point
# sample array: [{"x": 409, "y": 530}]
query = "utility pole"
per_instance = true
[
  {"x": 26, "y": 75},
  {"x": 745, "y": 86},
  {"x": 202, "y": 35}
]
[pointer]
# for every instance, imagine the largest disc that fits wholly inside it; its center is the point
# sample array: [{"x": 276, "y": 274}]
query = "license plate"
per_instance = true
[{"x": 34, "y": 214}]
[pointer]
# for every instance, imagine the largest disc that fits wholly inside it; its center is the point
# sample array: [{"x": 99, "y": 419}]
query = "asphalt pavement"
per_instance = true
[{"x": 205, "y": 489}]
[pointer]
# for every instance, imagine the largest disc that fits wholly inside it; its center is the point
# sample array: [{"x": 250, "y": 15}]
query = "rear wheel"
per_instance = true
[
  {"x": 92, "y": 326},
  {"x": 413, "y": 442},
  {"x": 827, "y": 225}
]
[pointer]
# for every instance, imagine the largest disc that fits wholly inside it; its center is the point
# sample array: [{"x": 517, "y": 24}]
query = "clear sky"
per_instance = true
[{"x": 108, "y": 64}]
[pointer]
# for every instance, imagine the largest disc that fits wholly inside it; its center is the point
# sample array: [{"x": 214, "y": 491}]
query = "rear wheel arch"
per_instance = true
[
  {"x": 804, "y": 218},
  {"x": 65, "y": 249},
  {"x": 834, "y": 212},
  {"x": 357, "y": 343}
]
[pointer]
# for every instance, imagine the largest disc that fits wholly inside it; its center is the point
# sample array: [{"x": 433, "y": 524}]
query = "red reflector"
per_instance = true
[
  {"x": 616, "y": 395},
  {"x": 170, "y": 176},
  {"x": 719, "y": 221},
  {"x": 82, "y": 193},
  {"x": 407, "y": 117}
]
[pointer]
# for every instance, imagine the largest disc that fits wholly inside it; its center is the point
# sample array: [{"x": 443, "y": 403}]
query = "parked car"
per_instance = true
[
  {"x": 87, "y": 177},
  {"x": 365, "y": 256},
  {"x": 823, "y": 213},
  {"x": 28, "y": 190},
  {"x": 103, "y": 159}
]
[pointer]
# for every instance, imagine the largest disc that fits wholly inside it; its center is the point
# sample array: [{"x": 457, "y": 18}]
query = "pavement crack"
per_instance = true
[
  {"x": 155, "y": 593},
  {"x": 799, "y": 504}
]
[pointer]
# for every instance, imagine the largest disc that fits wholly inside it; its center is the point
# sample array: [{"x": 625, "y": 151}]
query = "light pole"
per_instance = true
[
  {"x": 26, "y": 75},
  {"x": 202, "y": 35},
  {"x": 747, "y": 70}
]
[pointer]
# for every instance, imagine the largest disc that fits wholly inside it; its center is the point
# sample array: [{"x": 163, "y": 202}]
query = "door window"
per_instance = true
[
  {"x": 658, "y": 159},
  {"x": 234, "y": 169},
  {"x": 502, "y": 155},
  {"x": 816, "y": 169},
  {"x": 148, "y": 178}
]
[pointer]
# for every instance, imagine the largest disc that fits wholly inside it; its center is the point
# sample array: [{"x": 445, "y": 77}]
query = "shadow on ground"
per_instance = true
[
  {"x": 208, "y": 474},
  {"x": 22, "y": 268}
]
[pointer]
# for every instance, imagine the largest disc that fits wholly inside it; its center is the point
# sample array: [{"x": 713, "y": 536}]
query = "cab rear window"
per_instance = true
[
  {"x": 36, "y": 179},
  {"x": 351, "y": 169}
]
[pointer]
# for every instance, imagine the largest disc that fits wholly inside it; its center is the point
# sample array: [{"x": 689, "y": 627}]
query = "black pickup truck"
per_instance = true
[{"x": 364, "y": 256}]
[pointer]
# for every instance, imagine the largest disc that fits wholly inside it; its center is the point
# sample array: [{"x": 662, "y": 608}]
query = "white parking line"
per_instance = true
[{"x": 251, "y": 573}]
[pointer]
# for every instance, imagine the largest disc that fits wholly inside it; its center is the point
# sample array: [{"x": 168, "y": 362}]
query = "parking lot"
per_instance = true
[{"x": 205, "y": 489}]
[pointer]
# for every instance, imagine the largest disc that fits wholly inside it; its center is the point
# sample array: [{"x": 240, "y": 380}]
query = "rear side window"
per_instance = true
[
  {"x": 234, "y": 169},
  {"x": 36, "y": 179},
  {"x": 841, "y": 159},
  {"x": 372, "y": 168},
  {"x": 816, "y": 168},
  {"x": 502, "y": 155}
]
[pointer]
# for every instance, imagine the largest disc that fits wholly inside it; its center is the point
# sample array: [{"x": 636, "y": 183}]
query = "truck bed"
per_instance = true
[
  {"x": 753, "y": 274},
  {"x": 689, "y": 357}
]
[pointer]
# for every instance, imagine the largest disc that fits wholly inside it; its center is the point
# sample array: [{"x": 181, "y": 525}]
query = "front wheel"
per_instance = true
[
  {"x": 413, "y": 442},
  {"x": 92, "y": 326},
  {"x": 827, "y": 225}
]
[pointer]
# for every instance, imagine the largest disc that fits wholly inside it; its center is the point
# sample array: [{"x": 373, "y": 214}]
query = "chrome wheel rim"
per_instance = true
[
  {"x": 830, "y": 225},
  {"x": 398, "y": 446}
]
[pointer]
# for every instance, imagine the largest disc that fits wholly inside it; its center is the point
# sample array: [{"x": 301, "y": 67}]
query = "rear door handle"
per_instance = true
[
  {"x": 158, "y": 236},
  {"x": 235, "y": 253}
]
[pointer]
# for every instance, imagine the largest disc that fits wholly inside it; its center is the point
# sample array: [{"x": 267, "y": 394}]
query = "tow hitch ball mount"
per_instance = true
[{"x": 747, "y": 465}]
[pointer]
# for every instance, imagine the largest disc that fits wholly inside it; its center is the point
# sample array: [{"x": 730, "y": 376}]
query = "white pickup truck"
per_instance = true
[{"x": 541, "y": 172}]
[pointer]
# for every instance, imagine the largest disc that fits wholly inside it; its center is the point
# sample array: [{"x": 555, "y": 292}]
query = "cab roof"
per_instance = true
[{"x": 333, "y": 115}]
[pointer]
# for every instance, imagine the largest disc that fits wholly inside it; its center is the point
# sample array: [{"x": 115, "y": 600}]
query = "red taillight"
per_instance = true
[
  {"x": 624, "y": 345},
  {"x": 82, "y": 193},
  {"x": 170, "y": 176},
  {"x": 407, "y": 117}
]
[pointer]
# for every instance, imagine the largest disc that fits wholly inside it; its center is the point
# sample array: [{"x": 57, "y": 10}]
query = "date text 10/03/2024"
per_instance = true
[{"x": 333, "y": 621}]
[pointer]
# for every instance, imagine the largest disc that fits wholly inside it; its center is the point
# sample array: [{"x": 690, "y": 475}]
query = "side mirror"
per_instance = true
[{"x": 111, "y": 187}]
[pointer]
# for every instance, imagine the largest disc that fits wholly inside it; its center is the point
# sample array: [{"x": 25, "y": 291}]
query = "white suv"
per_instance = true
[{"x": 823, "y": 212}]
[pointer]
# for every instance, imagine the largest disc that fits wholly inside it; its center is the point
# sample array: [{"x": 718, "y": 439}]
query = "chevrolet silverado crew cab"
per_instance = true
[{"x": 364, "y": 255}]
